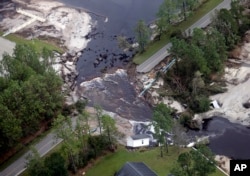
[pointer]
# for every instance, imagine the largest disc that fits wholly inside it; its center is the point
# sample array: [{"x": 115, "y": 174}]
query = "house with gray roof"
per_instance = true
[
  {"x": 135, "y": 169},
  {"x": 139, "y": 140}
]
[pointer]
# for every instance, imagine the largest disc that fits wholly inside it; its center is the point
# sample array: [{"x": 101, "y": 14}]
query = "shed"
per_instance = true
[
  {"x": 215, "y": 104},
  {"x": 135, "y": 169},
  {"x": 140, "y": 140}
]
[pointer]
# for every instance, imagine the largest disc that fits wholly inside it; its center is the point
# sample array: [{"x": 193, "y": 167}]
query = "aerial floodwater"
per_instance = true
[
  {"x": 226, "y": 138},
  {"x": 114, "y": 92},
  {"x": 111, "y": 18}
]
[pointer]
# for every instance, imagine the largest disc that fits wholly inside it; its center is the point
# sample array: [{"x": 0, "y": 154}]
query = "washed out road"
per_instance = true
[
  {"x": 156, "y": 58},
  {"x": 49, "y": 142}
]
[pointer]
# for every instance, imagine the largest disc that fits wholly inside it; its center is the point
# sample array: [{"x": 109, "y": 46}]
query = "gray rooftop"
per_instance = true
[
  {"x": 6, "y": 46},
  {"x": 135, "y": 169},
  {"x": 140, "y": 136}
]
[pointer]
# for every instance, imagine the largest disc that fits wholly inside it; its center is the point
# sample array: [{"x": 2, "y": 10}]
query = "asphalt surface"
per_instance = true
[
  {"x": 156, "y": 58},
  {"x": 43, "y": 147},
  {"x": 49, "y": 142},
  {"x": 6, "y": 46}
]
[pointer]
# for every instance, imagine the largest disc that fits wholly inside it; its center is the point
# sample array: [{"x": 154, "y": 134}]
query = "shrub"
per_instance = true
[
  {"x": 185, "y": 118},
  {"x": 200, "y": 104}
]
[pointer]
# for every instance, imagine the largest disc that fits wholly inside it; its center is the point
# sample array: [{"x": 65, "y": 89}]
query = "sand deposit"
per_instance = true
[
  {"x": 238, "y": 85},
  {"x": 70, "y": 26}
]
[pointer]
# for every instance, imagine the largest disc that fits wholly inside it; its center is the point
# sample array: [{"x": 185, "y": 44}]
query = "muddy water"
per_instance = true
[
  {"x": 112, "y": 18},
  {"x": 226, "y": 138},
  {"x": 114, "y": 93}
]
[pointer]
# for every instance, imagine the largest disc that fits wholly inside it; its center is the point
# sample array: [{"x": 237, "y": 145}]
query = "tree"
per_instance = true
[
  {"x": 198, "y": 162},
  {"x": 142, "y": 35},
  {"x": 226, "y": 24},
  {"x": 80, "y": 105},
  {"x": 192, "y": 4},
  {"x": 192, "y": 55},
  {"x": 10, "y": 128},
  {"x": 200, "y": 103},
  {"x": 166, "y": 11},
  {"x": 212, "y": 43},
  {"x": 30, "y": 93},
  {"x": 98, "y": 110},
  {"x": 203, "y": 160},
  {"x": 82, "y": 130},
  {"x": 55, "y": 165},
  {"x": 197, "y": 83},
  {"x": 70, "y": 144},
  {"x": 109, "y": 127},
  {"x": 162, "y": 122},
  {"x": 123, "y": 43},
  {"x": 162, "y": 26},
  {"x": 35, "y": 165},
  {"x": 179, "y": 135},
  {"x": 237, "y": 11},
  {"x": 185, "y": 162}
]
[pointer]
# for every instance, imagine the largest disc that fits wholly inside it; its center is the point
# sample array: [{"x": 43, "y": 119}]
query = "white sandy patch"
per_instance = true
[
  {"x": 223, "y": 162},
  {"x": 173, "y": 104},
  {"x": 123, "y": 125},
  {"x": 238, "y": 85},
  {"x": 74, "y": 26},
  {"x": 71, "y": 26}
]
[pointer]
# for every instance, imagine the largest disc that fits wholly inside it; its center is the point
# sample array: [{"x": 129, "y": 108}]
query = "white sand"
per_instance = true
[
  {"x": 238, "y": 85},
  {"x": 71, "y": 26},
  {"x": 223, "y": 162}
]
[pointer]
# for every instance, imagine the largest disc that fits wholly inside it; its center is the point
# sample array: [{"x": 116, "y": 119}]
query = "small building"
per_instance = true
[
  {"x": 135, "y": 169},
  {"x": 215, "y": 104},
  {"x": 140, "y": 140}
]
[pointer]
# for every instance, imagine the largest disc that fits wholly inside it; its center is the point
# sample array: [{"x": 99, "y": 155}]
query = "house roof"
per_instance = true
[
  {"x": 135, "y": 169},
  {"x": 139, "y": 136}
]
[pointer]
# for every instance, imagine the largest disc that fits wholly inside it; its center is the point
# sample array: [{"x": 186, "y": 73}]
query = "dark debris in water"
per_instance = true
[{"x": 246, "y": 105}]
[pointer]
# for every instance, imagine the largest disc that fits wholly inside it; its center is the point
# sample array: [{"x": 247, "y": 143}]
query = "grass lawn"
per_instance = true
[
  {"x": 38, "y": 44},
  {"x": 155, "y": 46},
  {"x": 111, "y": 163}
]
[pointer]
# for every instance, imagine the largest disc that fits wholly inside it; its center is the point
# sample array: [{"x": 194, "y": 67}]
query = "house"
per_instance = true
[
  {"x": 140, "y": 140},
  {"x": 135, "y": 169}
]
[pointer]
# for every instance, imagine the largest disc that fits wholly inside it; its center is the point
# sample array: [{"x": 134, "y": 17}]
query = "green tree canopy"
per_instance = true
[
  {"x": 55, "y": 165},
  {"x": 162, "y": 122},
  {"x": 110, "y": 130},
  {"x": 198, "y": 162},
  {"x": 30, "y": 93},
  {"x": 142, "y": 35}
]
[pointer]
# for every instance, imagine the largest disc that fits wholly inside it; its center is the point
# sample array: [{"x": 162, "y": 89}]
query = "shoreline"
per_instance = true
[
  {"x": 70, "y": 25},
  {"x": 60, "y": 16},
  {"x": 237, "y": 84}
]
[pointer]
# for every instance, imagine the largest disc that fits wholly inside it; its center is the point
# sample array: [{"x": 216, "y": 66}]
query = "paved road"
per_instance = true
[
  {"x": 43, "y": 147},
  {"x": 156, "y": 58},
  {"x": 6, "y": 46},
  {"x": 49, "y": 142}
]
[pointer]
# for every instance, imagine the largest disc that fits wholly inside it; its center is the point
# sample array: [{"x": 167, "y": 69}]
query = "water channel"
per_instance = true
[{"x": 115, "y": 93}]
